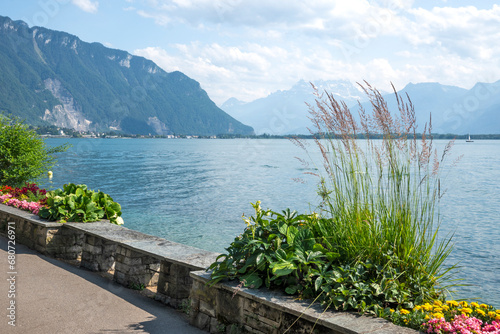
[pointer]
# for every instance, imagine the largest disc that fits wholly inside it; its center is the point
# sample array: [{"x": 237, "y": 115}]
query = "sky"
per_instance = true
[{"x": 250, "y": 48}]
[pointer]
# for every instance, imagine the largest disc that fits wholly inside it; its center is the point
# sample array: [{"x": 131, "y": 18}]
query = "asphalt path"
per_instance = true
[{"x": 42, "y": 295}]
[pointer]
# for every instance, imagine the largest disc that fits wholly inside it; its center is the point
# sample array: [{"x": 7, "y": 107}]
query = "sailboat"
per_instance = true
[{"x": 469, "y": 140}]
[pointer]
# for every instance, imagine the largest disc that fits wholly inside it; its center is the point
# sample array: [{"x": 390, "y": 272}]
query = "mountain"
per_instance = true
[
  {"x": 52, "y": 77},
  {"x": 454, "y": 110},
  {"x": 285, "y": 111}
]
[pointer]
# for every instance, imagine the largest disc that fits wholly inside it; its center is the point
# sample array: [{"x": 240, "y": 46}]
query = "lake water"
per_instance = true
[{"x": 195, "y": 191}]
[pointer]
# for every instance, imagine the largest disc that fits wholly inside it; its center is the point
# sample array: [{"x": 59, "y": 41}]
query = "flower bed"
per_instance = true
[
  {"x": 73, "y": 203},
  {"x": 449, "y": 317},
  {"x": 29, "y": 198}
]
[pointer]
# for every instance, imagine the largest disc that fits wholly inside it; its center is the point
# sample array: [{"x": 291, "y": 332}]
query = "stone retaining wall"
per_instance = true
[
  {"x": 241, "y": 310},
  {"x": 139, "y": 260},
  {"x": 48, "y": 238}
]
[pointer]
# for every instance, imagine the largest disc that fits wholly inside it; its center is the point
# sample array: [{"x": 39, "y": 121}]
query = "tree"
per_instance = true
[{"x": 24, "y": 156}]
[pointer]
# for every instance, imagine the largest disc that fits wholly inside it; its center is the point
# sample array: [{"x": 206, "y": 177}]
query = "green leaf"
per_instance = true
[
  {"x": 260, "y": 259},
  {"x": 332, "y": 256},
  {"x": 282, "y": 268},
  {"x": 319, "y": 248},
  {"x": 281, "y": 255},
  {"x": 291, "y": 234},
  {"x": 317, "y": 283},
  {"x": 282, "y": 228},
  {"x": 252, "y": 281}
]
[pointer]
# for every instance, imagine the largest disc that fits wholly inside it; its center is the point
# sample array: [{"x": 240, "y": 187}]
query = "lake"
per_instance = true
[{"x": 194, "y": 191}]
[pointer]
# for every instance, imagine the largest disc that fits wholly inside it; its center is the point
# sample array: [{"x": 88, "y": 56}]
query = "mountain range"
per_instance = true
[
  {"x": 51, "y": 77},
  {"x": 454, "y": 110}
]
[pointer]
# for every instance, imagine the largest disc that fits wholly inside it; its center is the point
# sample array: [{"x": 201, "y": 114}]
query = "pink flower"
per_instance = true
[
  {"x": 34, "y": 207},
  {"x": 5, "y": 197},
  {"x": 24, "y": 205},
  {"x": 14, "y": 202}
]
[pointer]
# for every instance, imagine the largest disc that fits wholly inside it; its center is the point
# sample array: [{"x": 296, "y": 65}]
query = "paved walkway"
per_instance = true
[{"x": 54, "y": 297}]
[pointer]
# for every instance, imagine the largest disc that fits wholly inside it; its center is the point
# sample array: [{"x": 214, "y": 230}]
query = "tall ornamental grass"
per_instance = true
[{"x": 381, "y": 195}]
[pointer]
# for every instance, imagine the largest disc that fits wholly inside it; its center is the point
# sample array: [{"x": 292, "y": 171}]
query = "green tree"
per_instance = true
[{"x": 24, "y": 156}]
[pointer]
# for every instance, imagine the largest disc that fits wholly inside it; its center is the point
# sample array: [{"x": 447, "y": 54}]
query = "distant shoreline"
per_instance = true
[{"x": 264, "y": 136}]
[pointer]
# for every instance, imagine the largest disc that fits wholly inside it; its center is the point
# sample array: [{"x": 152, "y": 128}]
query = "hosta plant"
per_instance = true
[{"x": 76, "y": 203}]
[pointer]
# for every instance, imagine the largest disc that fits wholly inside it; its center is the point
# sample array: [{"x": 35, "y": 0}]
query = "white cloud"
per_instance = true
[
  {"x": 87, "y": 5},
  {"x": 465, "y": 31},
  {"x": 250, "y": 49}
]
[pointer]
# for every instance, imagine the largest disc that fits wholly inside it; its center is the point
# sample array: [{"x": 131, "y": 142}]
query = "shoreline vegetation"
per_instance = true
[{"x": 56, "y": 132}]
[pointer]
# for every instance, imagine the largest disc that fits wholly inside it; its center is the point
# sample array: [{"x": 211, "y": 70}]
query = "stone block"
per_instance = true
[
  {"x": 122, "y": 267},
  {"x": 201, "y": 321},
  {"x": 207, "y": 308},
  {"x": 92, "y": 249},
  {"x": 216, "y": 327},
  {"x": 132, "y": 261},
  {"x": 229, "y": 307},
  {"x": 251, "y": 330},
  {"x": 267, "y": 314},
  {"x": 109, "y": 248},
  {"x": 90, "y": 239}
]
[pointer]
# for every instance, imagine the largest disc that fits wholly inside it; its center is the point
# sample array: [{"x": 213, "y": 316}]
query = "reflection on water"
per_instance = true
[{"x": 195, "y": 191}]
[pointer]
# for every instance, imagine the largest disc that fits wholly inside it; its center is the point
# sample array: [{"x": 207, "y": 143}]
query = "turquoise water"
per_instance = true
[{"x": 195, "y": 192}]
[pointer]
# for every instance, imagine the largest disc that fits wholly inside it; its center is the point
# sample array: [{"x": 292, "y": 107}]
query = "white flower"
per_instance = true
[{"x": 119, "y": 221}]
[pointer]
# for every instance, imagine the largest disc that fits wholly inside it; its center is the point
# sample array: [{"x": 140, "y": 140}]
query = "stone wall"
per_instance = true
[
  {"x": 48, "y": 238},
  {"x": 138, "y": 260},
  {"x": 230, "y": 308}
]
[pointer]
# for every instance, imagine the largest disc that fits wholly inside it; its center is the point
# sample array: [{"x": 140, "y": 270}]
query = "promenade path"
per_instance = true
[{"x": 54, "y": 297}]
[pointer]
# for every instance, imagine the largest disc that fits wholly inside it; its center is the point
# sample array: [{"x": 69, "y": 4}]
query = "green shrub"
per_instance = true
[
  {"x": 24, "y": 157},
  {"x": 75, "y": 203}
]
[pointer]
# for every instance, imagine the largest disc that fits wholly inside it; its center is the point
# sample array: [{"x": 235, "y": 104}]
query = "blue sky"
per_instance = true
[{"x": 249, "y": 49}]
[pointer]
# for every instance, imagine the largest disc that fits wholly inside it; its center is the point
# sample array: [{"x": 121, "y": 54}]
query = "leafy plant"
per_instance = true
[
  {"x": 23, "y": 154},
  {"x": 293, "y": 253},
  {"x": 75, "y": 203}
]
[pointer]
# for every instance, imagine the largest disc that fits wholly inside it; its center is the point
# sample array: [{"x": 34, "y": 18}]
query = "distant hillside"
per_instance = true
[
  {"x": 51, "y": 77},
  {"x": 285, "y": 111},
  {"x": 454, "y": 110}
]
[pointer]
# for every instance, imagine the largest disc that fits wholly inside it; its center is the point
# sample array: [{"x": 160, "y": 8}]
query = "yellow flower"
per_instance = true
[
  {"x": 417, "y": 308},
  {"x": 428, "y": 307},
  {"x": 404, "y": 311},
  {"x": 452, "y": 303},
  {"x": 483, "y": 306},
  {"x": 492, "y": 314},
  {"x": 464, "y": 303},
  {"x": 438, "y": 309},
  {"x": 438, "y": 315},
  {"x": 466, "y": 310},
  {"x": 481, "y": 312},
  {"x": 438, "y": 303},
  {"x": 497, "y": 317},
  {"x": 474, "y": 304},
  {"x": 427, "y": 317},
  {"x": 445, "y": 307},
  {"x": 392, "y": 310}
]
